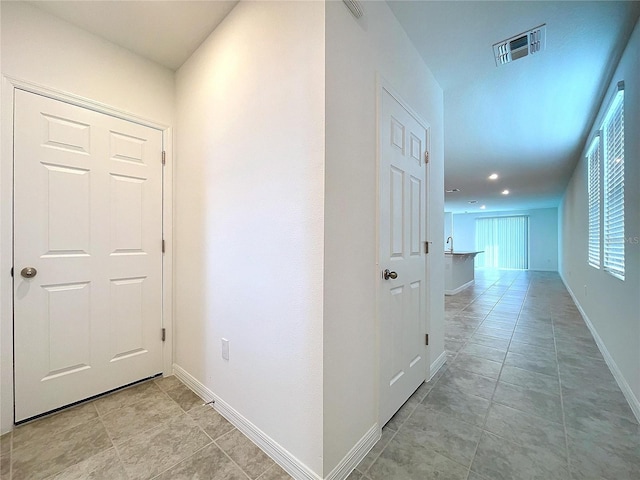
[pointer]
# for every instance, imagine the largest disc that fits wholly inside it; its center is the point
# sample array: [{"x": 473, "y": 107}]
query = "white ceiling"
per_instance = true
[
  {"x": 167, "y": 32},
  {"x": 527, "y": 120}
]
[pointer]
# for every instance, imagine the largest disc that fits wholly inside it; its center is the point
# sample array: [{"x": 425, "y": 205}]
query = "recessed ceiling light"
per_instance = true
[
  {"x": 505, "y": 192},
  {"x": 452, "y": 190},
  {"x": 482, "y": 207},
  {"x": 493, "y": 176},
  {"x": 473, "y": 201}
]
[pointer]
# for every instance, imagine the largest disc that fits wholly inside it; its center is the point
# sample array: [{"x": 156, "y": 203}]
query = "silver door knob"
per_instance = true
[
  {"x": 389, "y": 275},
  {"x": 28, "y": 272}
]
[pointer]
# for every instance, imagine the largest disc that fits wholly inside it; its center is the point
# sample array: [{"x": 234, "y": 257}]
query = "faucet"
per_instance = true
[{"x": 450, "y": 239}]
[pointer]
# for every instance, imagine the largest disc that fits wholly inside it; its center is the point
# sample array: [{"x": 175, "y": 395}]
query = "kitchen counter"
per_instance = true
[{"x": 458, "y": 271}]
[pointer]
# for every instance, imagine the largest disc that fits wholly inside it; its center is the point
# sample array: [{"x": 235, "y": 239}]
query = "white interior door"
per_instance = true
[
  {"x": 88, "y": 219},
  {"x": 402, "y": 234}
]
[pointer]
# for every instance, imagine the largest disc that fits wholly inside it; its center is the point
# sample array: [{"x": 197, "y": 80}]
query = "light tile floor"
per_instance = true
[
  {"x": 524, "y": 394},
  {"x": 158, "y": 429}
]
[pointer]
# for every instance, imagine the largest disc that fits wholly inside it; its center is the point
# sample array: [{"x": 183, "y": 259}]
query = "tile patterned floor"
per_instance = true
[
  {"x": 158, "y": 429},
  {"x": 525, "y": 394}
]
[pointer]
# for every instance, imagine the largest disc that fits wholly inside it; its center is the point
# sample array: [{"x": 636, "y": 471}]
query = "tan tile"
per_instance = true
[
  {"x": 5, "y": 443},
  {"x": 147, "y": 391},
  {"x": 58, "y": 422},
  {"x": 185, "y": 397},
  {"x": 54, "y": 453},
  {"x": 373, "y": 454},
  {"x": 211, "y": 421},
  {"x": 442, "y": 433},
  {"x": 167, "y": 383},
  {"x": 355, "y": 475},
  {"x": 150, "y": 453},
  {"x": 501, "y": 459},
  {"x": 103, "y": 466},
  {"x": 208, "y": 463},
  {"x": 404, "y": 459},
  {"x": 5, "y": 466},
  {"x": 253, "y": 461},
  {"x": 139, "y": 417},
  {"x": 276, "y": 473}
]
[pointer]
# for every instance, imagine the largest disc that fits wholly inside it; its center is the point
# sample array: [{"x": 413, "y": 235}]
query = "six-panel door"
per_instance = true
[
  {"x": 402, "y": 230},
  {"x": 88, "y": 218}
]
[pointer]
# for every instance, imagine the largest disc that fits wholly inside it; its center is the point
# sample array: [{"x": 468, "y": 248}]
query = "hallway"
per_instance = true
[{"x": 525, "y": 394}]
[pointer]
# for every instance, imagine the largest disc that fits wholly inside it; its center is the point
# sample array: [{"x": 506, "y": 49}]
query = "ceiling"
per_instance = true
[
  {"x": 526, "y": 121},
  {"x": 167, "y": 32}
]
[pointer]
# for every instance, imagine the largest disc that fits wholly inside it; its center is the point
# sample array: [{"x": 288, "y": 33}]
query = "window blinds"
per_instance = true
[
  {"x": 504, "y": 241},
  {"x": 614, "y": 239},
  {"x": 593, "y": 164}
]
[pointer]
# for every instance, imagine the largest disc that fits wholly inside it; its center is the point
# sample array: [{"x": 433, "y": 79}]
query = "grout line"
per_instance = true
[
  {"x": 115, "y": 449},
  {"x": 395, "y": 432},
  {"x": 495, "y": 388},
  {"x": 231, "y": 459},
  {"x": 564, "y": 423},
  {"x": 183, "y": 460}
]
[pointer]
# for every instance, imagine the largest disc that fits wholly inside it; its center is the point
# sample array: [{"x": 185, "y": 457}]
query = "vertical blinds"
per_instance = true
[
  {"x": 504, "y": 241},
  {"x": 593, "y": 159},
  {"x": 613, "y": 129}
]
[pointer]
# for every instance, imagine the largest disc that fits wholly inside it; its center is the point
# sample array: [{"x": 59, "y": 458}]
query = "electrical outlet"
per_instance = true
[{"x": 225, "y": 349}]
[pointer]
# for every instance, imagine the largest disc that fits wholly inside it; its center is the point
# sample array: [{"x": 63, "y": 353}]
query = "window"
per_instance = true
[
  {"x": 504, "y": 241},
  {"x": 613, "y": 132},
  {"x": 593, "y": 165},
  {"x": 605, "y": 165}
]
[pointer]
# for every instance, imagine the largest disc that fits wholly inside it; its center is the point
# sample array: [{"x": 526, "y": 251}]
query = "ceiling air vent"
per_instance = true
[{"x": 527, "y": 43}]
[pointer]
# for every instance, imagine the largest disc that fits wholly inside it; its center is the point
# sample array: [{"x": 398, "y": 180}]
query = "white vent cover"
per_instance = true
[
  {"x": 354, "y": 6},
  {"x": 527, "y": 43}
]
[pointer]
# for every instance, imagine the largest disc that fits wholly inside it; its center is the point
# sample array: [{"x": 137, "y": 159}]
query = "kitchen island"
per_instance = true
[{"x": 458, "y": 271}]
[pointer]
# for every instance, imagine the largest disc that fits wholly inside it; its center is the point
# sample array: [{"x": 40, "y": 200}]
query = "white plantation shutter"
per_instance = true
[
  {"x": 593, "y": 165},
  {"x": 613, "y": 130}
]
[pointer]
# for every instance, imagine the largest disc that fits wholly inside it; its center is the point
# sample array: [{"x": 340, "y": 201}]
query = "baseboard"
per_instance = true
[
  {"x": 190, "y": 381},
  {"x": 460, "y": 288},
  {"x": 356, "y": 454},
  {"x": 294, "y": 467},
  {"x": 437, "y": 365},
  {"x": 633, "y": 401}
]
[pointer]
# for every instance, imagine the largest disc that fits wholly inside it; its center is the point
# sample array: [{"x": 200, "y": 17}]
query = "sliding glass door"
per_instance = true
[{"x": 504, "y": 241}]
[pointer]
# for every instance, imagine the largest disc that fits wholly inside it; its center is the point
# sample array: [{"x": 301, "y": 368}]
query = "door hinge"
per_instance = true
[
  {"x": 426, "y": 247},
  {"x": 11, "y": 272},
  {"x": 426, "y": 339},
  {"x": 164, "y": 334},
  {"x": 426, "y": 157},
  {"x": 164, "y": 157},
  {"x": 163, "y": 245}
]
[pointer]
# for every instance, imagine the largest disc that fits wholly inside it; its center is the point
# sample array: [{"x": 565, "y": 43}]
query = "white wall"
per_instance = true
[
  {"x": 249, "y": 219},
  {"x": 543, "y": 235},
  {"x": 448, "y": 227},
  {"x": 42, "y": 49},
  {"x": 611, "y": 305},
  {"x": 357, "y": 51}
]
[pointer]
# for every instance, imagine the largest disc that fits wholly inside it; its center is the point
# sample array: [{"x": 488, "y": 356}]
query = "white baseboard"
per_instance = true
[
  {"x": 356, "y": 454},
  {"x": 437, "y": 364},
  {"x": 460, "y": 288},
  {"x": 633, "y": 401},
  {"x": 294, "y": 467}
]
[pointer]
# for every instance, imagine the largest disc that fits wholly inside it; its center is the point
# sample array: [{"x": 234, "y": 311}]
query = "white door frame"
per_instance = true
[
  {"x": 382, "y": 85},
  {"x": 9, "y": 86}
]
